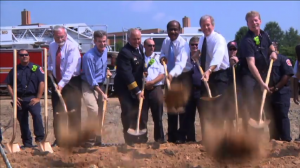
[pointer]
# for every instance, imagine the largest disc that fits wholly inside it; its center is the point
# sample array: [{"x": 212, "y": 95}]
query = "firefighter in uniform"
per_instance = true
[
  {"x": 30, "y": 88},
  {"x": 128, "y": 84},
  {"x": 255, "y": 49},
  {"x": 279, "y": 99}
]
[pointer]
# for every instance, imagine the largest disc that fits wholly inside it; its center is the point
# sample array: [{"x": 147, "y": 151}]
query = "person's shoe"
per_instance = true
[
  {"x": 98, "y": 141},
  {"x": 179, "y": 142},
  {"x": 55, "y": 143},
  {"x": 161, "y": 141},
  {"x": 27, "y": 146}
]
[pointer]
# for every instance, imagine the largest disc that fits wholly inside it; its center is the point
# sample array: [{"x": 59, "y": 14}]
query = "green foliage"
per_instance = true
[
  {"x": 119, "y": 45},
  {"x": 274, "y": 30},
  {"x": 240, "y": 34}
]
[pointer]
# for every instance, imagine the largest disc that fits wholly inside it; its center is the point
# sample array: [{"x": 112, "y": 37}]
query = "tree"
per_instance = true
[
  {"x": 291, "y": 38},
  {"x": 240, "y": 34},
  {"x": 119, "y": 45},
  {"x": 275, "y": 32}
]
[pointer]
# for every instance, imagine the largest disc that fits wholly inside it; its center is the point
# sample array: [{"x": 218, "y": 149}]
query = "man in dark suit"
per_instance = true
[{"x": 128, "y": 85}]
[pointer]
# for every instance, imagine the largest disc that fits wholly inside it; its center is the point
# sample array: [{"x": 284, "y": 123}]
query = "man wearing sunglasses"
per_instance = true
[
  {"x": 30, "y": 89},
  {"x": 154, "y": 90}
]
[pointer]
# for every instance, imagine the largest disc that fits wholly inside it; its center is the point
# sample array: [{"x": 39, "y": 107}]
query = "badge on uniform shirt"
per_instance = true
[
  {"x": 288, "y": 62},
  {"x": 41, "y": 69},
  {"x": 34, "y": 67}
]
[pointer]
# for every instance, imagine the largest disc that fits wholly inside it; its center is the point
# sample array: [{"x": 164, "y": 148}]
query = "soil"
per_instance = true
[{"x": 192, "y": 155}]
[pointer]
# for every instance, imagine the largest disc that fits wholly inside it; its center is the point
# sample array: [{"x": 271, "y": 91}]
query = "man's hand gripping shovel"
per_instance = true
[{"x": 261, "y": 123}]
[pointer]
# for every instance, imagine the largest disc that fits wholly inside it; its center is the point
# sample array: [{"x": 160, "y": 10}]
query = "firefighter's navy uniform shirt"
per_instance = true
[
  {"x": 25, "y": 73},
  {"x": 282, "y": 66},
  {"x": 260, "y": 51},
  {"x": 279, "y": 100}
]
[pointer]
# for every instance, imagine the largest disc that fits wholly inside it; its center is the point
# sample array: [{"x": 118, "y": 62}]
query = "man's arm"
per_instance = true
[
  {"x": 218, "y": 53},
  {"x": 41, "y": 90},
  {"x": 50, "y": 62},
  {"x": 89, "y": 71},
  {"x": 125, "y": 71},
  {"x": 180, "y": 61},
  {"x": 73, "y": 58}
]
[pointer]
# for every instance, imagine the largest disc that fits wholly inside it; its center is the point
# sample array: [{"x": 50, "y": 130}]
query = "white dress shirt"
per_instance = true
[
  {"x": 181, "y": 53},
  {"x": 155, "y": 69},
  {"x": 70, "y": 64},
  {"x": 216, "y": 52}
]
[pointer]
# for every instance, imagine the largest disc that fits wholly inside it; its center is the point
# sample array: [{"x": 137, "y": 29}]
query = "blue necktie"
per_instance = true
[{"x": 171, "y": 59}]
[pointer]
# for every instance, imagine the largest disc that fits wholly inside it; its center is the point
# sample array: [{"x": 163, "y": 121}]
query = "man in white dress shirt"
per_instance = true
[
  {"x": 214, "y": 62},
  {"x": 175, "y": 52},
  {"x": 64, "y": 64},
  {"x": 154, "y": 90}
]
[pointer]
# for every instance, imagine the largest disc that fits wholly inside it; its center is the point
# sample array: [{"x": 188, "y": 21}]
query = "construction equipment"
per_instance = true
[
  {"x": 104, "y": 107},
  {"x": 235, "y": 99},
  {"x": 261, "y": 123},
  {"x": 209, "y": 98},
  {"x": 139, "y": 132},
  {"x": 45, "y": 145},
  {"x": 11, "y": 146}
]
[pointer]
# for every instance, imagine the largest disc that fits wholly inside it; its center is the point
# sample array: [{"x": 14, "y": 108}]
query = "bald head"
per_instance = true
[{"x": 134, "y": 37}]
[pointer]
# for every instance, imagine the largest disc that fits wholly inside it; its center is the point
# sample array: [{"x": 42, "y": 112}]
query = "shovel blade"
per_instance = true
[
  {"x": 210, "y": 98},
  {"x": 261, "y": 124},
  {"x": 45, "y": 147},
  {"x": 136, "y": 132},
  {"x": 12, "y": 147}
]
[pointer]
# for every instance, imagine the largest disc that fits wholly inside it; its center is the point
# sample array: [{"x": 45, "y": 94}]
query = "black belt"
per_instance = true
[{"x": 25, "y": 95}]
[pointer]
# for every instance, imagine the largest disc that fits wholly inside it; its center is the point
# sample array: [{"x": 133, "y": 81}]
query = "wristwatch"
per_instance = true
[{"x": 276, "y": 89}]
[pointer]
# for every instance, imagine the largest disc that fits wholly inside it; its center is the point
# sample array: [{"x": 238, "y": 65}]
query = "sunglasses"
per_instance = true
[
  {"x": 194, "y": 44},
  {"x": 151, "y": 45},
  {"x": 232, "y": 49},
  {"x": 22, "y": 55}
]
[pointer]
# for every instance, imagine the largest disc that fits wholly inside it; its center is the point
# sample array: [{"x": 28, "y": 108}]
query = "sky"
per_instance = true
[{"x": 229, "y": 15}]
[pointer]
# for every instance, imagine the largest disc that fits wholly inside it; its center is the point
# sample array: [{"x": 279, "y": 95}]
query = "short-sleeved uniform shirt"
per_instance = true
[
  {"x": 257, "y": 47},
  {"x": 282, "y": 66},
  {"x": 32, "y": 73}
]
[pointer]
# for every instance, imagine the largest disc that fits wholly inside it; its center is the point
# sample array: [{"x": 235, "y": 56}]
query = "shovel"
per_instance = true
[
  {"x": 11, "y": 146},
  {"x": 261, "y": 123},
  {"x": 235, "y": 99},
  {"x": 104, "y": 107},
  {"x": 45, "y": 145},
  {"x": 166, "y": 74},
  {"x": 138, "y": 132},
  {"x": 209, "y": 98}
]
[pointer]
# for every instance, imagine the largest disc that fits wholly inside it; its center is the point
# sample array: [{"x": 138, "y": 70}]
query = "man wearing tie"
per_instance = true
[
  {"x": 214, "y": 62},
  {"x": 64, "y": 64},
  {"x": 128, "y": 84},
  {"x": 175, "y": 52}
]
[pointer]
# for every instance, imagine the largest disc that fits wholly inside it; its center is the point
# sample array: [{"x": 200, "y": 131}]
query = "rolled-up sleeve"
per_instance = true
[
  {"x": 181, "y": 60},
  {"x": 88, "y": 70},
  {"x": 218, "y": 52},
  {"x": 162, "y": 51},
  {"x": 73, "y": 57}
]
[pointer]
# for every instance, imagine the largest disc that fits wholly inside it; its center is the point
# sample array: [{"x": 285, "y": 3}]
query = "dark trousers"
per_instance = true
[
  {"x": 213, "y": 111},
  {"x": 252, "y": 95},
  {"x": 129, "y": 107},
  {"x": 174, "y": 133},
  {"x": 277, "y": 112},
  {"x": 22, "y": 116},
  {"x": 71, "y": 94},
  {"x": 153, "y": 100},
  {"x": 190, "y": 113}
]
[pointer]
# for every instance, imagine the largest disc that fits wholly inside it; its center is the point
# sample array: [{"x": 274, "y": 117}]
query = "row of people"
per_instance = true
[{"x": 214, "y": 54}]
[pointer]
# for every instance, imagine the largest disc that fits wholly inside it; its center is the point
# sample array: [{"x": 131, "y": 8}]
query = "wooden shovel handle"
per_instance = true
[
  {"x": 235, "y": 98},
  {"x": 265, "y": 91},
  {"x": 166, "y": 72},
  {"x": 104, "y": 103},
  {"x": 140, "y": 106},
  {"x": 205, "y": 82}
]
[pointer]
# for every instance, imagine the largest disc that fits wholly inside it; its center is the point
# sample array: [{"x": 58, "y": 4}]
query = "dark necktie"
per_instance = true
[
  {"x": 203, "y": 54},
  {"x": 57, "y": 66}
]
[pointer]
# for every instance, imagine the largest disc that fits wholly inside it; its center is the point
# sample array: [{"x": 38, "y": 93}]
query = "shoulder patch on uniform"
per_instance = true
[
  {"x": 288, "y": 62},
  {"x": 41, "y": 69},
  {"x": 34, "y": 67}
]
